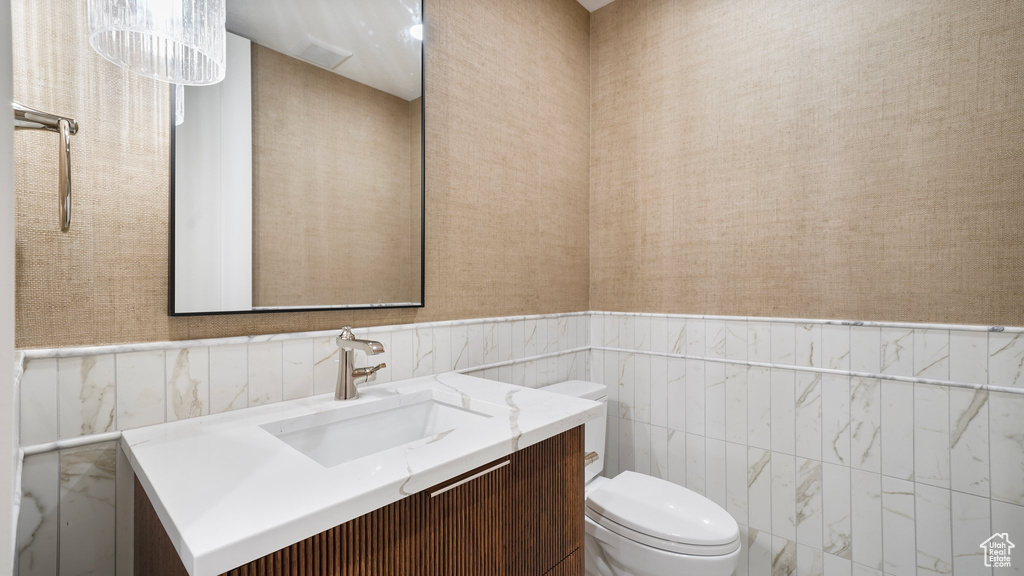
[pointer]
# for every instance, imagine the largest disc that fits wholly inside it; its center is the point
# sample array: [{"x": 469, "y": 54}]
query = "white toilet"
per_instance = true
[{"x": 639, "y": 525}]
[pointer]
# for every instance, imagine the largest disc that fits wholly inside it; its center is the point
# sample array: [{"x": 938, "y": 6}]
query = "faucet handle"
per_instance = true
[
  {"x": 346, "y": 333},
  {"x": 369, "y": 373}
]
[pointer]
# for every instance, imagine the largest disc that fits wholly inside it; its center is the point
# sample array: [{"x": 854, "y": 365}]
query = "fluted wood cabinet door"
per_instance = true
[{"x": 518, "y": 516}]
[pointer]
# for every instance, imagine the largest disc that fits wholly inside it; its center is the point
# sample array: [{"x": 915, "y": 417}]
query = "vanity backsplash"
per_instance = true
[{"x": 787, "y": 423}]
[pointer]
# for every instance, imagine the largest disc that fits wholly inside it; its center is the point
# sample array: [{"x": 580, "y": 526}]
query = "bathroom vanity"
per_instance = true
[{"x": 446, "y": 474}]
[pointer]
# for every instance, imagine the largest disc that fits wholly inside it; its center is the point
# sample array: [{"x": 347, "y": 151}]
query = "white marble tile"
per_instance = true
[
  {"x": 1006, "y": 446},
  {"x": 866, "y": 349},
  {"x": 783, "y": 409},
  {"x": 325, "y": 365},
  {"x": 695, "y": 464},
  {"x": 1006, "y": 359},
  {"x": 972, "y": 525},
  {"x": 931, "y": 354},
  {"x": 808, "y": 415},
  {"x": 783, "y": 557},
  {"x": 861, "y": 570},
  {"x": 188, "y": 381},
  {"x": 866, "y": 424},
  {"x": 659, "y": 452},
  {"x": 715, "y": 471},
  {"x": 403, "y": 354},
  {"x": 627, "y": 445},
  {"x": 609, "y": 331},
  {"x": 736, "y": 339},
  {"x": 611, "y": 447},
  {"x": 265, "y": 373},
  {"x": 659, "y": 335},
  {"x": 611, "y": 381},
  {"x": 837, "y": 566},
  {"x": 676, "y": 336},
  {"x": 695, "y": 337},
  {"x": 596, "y": 330},
  {"x": 87, "y": 393},
  {"x": 505, "y": 338},
  {"x": 783, "y": 345},
  {"x": 547, "y": 371},
  {"x": 759, "y": 341},
  {"x": 124, "y": 516},
  {"x": 968, "y": 440},
  {"x": 38, "y": 522},
  {"x": 1008, "y": 519},
  {"x": 519, "y": 374},
  {"x": 659, "y": 391},
  {"x": 899, "y": 551},
  {"x": 760, "y": 553},
  {"x": 87, "y": 515},
  {"x": 743, "y": 560},
  {"x": 229, "y": 376},
  {"x": 642, "y": 448},
  {"x": 931, "y": 434},
  {"x": 808, "y": 503},
  {"x": 532, "y": 378},
  {"x": 505, "y": 375},
  {"x": 866, "y": 518},
  {"x": 298, "y": 368},
  {"x": 626, "y": 325},
  {"x": 835, "y": 490},
  {"x": 642, "y": 388},
  {"x": 736, "y": 481},
  {"x": 714, "y": 400},
  {"x": 423, "y": 351},
  {"x": 475, "y": 343},
  {"x": 898, "y": 351},
  {"x": 934, "y": 532},
  {"x": 677, "y": 456},
  {"x": 835, "y": 419},
  {"x": 140, "y": 389},
  {"x": 460, "y": 344},
  {"x": 676, "y": 400},
  {"x": 39, "y": 402},
  {"x": 759, "y": 488},
  {"x": 626, "y": 382},
  {"x": 642, "y": 333},
  {"x": 759, "y": 413},
  {"x": 490, "y": 342},
  {"x": 807, "y": 350},
  {"x": 442, "y": 356},
  {"x": 518, "y": 340},
  {"x": 835, "y": 347},
  {"x": 564, "y": 363},
  {"x": 695, "y": 386},
  {"x": 968, "y": 356},
  {"x": 809, "y": 561},
  {"x": 736, "y": 403},
  {"x": 597, "y": 360},
  {"x": 784, "y": 495},
  {"x": 897, "y": 429}
]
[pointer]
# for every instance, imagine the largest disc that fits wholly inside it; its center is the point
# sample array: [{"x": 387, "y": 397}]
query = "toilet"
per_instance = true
[{"x": 639, "y": 525}]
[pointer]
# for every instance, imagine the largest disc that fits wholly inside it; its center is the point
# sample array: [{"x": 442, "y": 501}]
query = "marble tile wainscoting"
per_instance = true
[
  {"x": 76, "y": 507},
  {"x": 842, "y": 449}
]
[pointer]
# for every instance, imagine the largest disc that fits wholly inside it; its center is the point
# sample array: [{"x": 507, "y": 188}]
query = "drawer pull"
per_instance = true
[
  {"x": 590, "y": 458},
  {"x": 465, "y": 480}
]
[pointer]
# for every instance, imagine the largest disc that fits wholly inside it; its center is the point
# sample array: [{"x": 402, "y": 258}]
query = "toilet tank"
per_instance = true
[{"x": 594, "y": 431}]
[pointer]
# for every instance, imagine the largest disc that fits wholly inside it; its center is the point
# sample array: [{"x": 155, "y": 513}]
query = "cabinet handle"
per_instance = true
[
  {"x": 465, "y": 480},
  {"x": 590, "y": 458}
]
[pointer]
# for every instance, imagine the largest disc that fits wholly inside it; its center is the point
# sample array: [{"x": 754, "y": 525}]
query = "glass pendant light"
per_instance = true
[{"x": 175, "y": 41}]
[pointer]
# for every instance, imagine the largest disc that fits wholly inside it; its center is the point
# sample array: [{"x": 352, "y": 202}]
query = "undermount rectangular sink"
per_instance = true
[{"x": 342, "y": 439}]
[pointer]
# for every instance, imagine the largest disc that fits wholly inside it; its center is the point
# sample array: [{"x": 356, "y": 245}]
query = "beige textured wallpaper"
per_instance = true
[
  {"x": 333, "y": 196},
  {"x": 802, "y": 158},
  {"x": 507, "y": 165}
]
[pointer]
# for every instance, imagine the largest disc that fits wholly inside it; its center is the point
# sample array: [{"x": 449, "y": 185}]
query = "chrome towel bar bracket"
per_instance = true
[{"x": 26, "y": 118}]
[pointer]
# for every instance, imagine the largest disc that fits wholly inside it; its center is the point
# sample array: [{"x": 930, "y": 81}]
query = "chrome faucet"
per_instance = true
[{"x": 348, "y": 374}]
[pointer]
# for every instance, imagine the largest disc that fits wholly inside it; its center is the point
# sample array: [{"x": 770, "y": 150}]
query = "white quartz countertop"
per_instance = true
[{"x": 228, "y": 491}]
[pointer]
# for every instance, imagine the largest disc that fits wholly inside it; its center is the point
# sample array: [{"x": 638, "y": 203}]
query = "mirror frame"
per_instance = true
[{"x": 340, "y": 308}]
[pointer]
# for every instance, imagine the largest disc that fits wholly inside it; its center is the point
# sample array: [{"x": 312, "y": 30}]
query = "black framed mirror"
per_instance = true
[{"x": 298, "y": 181}]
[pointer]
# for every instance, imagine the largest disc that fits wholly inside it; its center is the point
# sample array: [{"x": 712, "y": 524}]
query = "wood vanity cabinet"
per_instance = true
[{"x": 523, "y": 518}]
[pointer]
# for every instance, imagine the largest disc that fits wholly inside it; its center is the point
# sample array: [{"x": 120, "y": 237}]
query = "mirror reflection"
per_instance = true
[{"x": 298, "y": 180}]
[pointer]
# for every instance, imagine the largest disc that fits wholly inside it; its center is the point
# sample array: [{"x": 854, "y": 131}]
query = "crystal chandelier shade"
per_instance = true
[{"x": 175, "y": 41}]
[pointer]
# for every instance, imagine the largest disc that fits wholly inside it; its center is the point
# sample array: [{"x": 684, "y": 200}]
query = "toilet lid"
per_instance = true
[{"x": 663, "y": 515}]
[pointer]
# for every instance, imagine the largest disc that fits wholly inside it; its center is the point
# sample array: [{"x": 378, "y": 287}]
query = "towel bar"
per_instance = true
[{"x": 26, "y": 118}]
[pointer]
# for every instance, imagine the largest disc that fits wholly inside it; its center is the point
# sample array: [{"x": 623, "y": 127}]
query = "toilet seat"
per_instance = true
[{"x": 662, "y": 515}]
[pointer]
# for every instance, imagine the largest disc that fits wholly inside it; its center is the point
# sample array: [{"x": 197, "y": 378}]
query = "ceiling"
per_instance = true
[
  {"x": 595, "y": 4},
  {"x": 376, "y": 32}
]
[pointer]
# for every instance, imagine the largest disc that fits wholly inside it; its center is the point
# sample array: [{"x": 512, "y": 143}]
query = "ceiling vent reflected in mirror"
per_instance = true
[{"x": 320, "y": 53}]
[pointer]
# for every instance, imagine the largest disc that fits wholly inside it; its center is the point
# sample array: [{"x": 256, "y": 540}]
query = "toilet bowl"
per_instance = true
[{"x": 639, "y": 525}]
